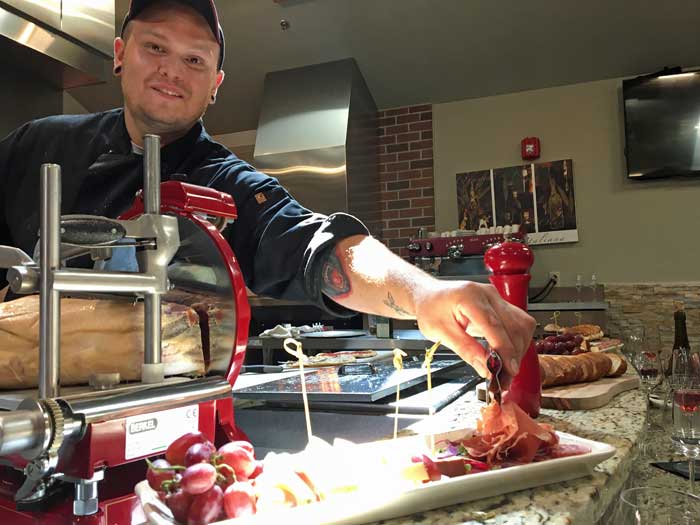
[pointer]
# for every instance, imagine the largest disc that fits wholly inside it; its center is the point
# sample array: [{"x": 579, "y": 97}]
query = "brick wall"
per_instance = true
[{"x": 406, "y": 174}]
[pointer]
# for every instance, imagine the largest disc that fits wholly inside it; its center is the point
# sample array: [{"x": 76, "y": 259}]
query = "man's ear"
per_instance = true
[
  {"x": 219, "y": 79},
  {"x": 119, "y": 45}
]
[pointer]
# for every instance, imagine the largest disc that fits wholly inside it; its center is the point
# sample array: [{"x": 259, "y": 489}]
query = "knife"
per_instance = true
[{"x": 494, "y": 363}]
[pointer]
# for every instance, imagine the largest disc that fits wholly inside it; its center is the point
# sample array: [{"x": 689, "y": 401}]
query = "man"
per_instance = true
[{"x": 169, "y": 58}]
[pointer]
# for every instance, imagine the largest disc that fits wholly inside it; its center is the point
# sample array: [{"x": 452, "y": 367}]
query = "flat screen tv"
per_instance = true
[{"x": 662, "y": 124}]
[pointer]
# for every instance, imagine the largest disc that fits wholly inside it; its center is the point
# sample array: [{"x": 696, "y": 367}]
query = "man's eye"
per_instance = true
[
  {"x": 195, "y": 61},
  {"x": 154, "y": 47}
]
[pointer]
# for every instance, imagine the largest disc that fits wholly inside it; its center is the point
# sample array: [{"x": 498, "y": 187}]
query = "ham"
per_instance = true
[
  {"x": 97, "y": 336},
  {"x": 506, "y": 433}
]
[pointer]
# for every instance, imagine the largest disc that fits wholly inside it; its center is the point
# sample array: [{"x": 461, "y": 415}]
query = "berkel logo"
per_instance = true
[{"x": 143, "y": 426}]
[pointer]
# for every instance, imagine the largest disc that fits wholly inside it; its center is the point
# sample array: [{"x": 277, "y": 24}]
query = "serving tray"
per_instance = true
[{"x": 379, "y": 503}]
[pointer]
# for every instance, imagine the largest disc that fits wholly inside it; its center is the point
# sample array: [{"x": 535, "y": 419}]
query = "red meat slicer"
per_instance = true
[{"x": 73, "y": 455}]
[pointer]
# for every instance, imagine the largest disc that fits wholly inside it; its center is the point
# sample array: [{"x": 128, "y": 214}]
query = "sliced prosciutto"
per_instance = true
[{"x": 506, "y": 433}]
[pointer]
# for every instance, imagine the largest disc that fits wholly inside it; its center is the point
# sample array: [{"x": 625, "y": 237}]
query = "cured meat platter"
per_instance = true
[{"x": 378, "y": 500}]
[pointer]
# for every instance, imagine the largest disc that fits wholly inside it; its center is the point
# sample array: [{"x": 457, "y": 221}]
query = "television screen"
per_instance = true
[{"x": 662, "y": 125}]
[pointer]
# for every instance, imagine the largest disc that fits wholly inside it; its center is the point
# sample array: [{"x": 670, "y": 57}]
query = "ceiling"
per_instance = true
[{"x": 415, "y": 51}]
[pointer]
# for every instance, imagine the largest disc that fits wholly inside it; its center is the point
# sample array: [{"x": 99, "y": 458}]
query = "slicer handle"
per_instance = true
[{"x": 91, "y": 231}]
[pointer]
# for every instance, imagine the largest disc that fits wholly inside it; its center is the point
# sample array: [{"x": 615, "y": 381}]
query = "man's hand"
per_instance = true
[
  {"x": 363, "y": 275},
  {"x": 454, "y": 311}
]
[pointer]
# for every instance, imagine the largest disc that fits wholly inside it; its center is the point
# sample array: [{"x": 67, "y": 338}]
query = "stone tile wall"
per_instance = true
[{"x": 651, "y": 305}]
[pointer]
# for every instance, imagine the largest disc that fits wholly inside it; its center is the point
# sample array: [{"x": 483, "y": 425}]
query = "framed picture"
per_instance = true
[{"x": 537, "y": 198}]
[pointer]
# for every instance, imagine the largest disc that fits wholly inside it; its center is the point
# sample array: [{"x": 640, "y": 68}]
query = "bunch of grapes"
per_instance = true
[
  {"x": 201, "y": 484},
  {"x": 564, "y": 344}
]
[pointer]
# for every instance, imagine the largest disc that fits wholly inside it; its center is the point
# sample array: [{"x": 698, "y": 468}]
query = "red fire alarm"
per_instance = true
[{"x": 530, "y": 148}]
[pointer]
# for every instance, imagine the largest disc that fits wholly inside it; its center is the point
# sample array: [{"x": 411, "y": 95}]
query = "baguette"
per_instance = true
[
  {"x": 565, "y": 370},
  {"x": 619, "y": 365}
]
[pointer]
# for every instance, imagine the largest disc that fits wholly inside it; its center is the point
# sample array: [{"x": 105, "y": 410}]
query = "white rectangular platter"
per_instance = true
[{"x": 366, "y": 506}]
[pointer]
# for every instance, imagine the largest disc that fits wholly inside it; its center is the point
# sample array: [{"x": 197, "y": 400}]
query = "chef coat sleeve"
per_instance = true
[
  {"x": 280, "y": 244},
  {"x": 10, "y": 152}
]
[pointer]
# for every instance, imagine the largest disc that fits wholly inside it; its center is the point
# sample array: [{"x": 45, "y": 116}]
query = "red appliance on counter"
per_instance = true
[
  {"x": 74, "y": 457},
  {"x": 458, "y": 246},
  {"x": 510, "y": 262}
]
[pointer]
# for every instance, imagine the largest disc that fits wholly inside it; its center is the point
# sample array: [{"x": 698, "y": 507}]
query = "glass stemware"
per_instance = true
[
  {"x": 686, "y": 408},
  {"x": 647, "y": 364},
  {"x": 579, "y": 287},
  {"x": 656, "y": 506}
]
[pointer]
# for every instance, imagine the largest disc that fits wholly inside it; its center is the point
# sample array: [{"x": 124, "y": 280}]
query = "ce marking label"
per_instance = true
[{"x": 192, "y": 412}]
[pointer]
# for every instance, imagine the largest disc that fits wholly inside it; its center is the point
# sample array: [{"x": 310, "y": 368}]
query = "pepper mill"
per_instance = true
[{"x": 510, "y": 262}]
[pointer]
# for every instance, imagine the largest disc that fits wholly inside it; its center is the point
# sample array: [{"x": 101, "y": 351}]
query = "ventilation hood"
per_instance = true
[
  {"x": 67, "y": 43},
  {"x": 318, "y": 135}
]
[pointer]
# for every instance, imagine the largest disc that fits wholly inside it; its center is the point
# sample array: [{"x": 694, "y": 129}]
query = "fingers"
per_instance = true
[
  {"x": 453, "y": 336},
  {"x": 488, "y": 320}
]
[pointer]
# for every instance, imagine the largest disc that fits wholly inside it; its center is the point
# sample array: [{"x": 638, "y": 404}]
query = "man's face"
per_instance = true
[{"x": 168, "y": 61}]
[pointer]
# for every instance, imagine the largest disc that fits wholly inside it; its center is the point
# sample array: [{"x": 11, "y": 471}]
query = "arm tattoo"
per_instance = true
[
  {"x": 389, "y": 301},
  {"x": 335, "y": 282}
]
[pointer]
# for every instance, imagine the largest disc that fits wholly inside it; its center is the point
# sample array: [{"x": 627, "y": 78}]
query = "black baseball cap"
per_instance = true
[{"x": 204, "y": 7}]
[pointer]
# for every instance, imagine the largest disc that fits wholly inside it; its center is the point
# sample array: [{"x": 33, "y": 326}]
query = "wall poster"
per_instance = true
[{"x": 537, "y": 198}]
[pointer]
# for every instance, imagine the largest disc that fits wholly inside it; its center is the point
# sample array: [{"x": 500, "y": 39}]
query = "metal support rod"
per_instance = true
[
  {"x": 151, "y": 174},
  {"x": 79, "y": 280},
  {"x": 50, "y": 300},
  {"x": 152, "y": 301},
  {"x": 152, "y": 355}
]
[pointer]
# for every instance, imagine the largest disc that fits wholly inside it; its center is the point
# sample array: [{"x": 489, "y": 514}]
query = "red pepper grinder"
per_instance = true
[{"x": 510, "y": 262}]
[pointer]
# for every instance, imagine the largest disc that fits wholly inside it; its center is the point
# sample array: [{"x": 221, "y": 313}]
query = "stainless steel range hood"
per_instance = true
[
  {"x": 65, "y": 42},
  {"x": 318, "y": 135}
]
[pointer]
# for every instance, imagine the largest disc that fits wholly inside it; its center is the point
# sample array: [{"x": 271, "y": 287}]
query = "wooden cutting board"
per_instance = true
[{"x": 581, "y": 396}]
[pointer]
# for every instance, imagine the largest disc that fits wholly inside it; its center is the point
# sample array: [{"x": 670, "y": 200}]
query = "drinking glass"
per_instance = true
[
  {"x": 656, "y": 506},
  {"x": 579, "y": 287},
  {"x": 646, "y": 363},
  {"x": 686, "y": 409}
]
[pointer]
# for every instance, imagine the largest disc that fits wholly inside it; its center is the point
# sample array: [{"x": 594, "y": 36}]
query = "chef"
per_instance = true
[{"x": 169, "y": 60}]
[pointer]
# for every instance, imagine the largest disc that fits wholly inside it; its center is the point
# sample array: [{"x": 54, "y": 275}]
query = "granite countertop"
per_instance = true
[{"x": 581, "y": 501}]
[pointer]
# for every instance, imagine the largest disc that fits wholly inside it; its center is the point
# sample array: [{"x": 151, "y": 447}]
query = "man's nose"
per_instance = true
[{"x": 169, "y": 66}]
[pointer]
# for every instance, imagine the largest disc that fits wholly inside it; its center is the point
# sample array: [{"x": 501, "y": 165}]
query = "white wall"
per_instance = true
[{"x": 629, "y": 231}]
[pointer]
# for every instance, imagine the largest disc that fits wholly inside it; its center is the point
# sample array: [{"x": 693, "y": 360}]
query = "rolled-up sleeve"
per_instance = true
[{"x": 279, "y": 243}]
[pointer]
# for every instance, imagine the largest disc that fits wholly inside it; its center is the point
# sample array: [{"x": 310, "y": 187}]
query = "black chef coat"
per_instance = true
[{"x": 278, "y": 242}]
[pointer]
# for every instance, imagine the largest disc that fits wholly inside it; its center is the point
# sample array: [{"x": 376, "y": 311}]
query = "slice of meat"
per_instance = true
[
  {"x": 506, "y": 432},
  {"x": 97, "y": 336}
]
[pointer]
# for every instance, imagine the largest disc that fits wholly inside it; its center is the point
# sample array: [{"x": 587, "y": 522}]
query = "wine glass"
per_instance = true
[
  {"x": 579, "y": 287},
  {"x": 686, "y": 409},
  {"x": 646, "y": 363},
  {"x": 656, "y": 506}
]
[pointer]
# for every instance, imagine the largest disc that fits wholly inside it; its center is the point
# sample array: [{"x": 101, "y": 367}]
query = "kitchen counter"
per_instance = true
[{"x": 581, "y": 501}]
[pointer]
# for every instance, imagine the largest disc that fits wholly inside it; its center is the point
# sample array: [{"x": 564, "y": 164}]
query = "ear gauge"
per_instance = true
[
  {"x": 213, "y": 99},
  {"x": 117, "y": 70}
]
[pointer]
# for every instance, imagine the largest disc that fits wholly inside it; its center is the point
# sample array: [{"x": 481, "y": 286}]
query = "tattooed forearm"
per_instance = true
[
  {"x": 335, "y": 281},
  {"x": 389, "y": 301}
]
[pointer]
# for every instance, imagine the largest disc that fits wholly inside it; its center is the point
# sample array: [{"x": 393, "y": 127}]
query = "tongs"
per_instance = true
[{"x": 495, "y": 364}]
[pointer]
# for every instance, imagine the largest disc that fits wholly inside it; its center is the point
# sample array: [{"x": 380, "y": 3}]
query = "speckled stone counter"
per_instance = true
[{"x": 581, "y": 501}]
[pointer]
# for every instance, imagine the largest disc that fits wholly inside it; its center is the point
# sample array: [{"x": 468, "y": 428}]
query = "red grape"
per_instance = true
[
  {"x": 560, "y": 348},
  {"x": 179, "y": 504},
  {"x": 198, "y": 478},
  {"x": 578, "y": 339},
  {"x": 570, "y": 345},
  {"x": 156, "y": 477},
  {"x": 551, "y": 339},
  {"x": 548, "y": 346},
  {"x": 206, "y": 507},
  {"x": 239, "y": 459},
  {"x": 175, "y": 453},
  {"x": 239, "y": 500},
  {"x": 199, "y": 453},
  {"x": 246, "y": 445},
  {"x": 539, "y": 347}
]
